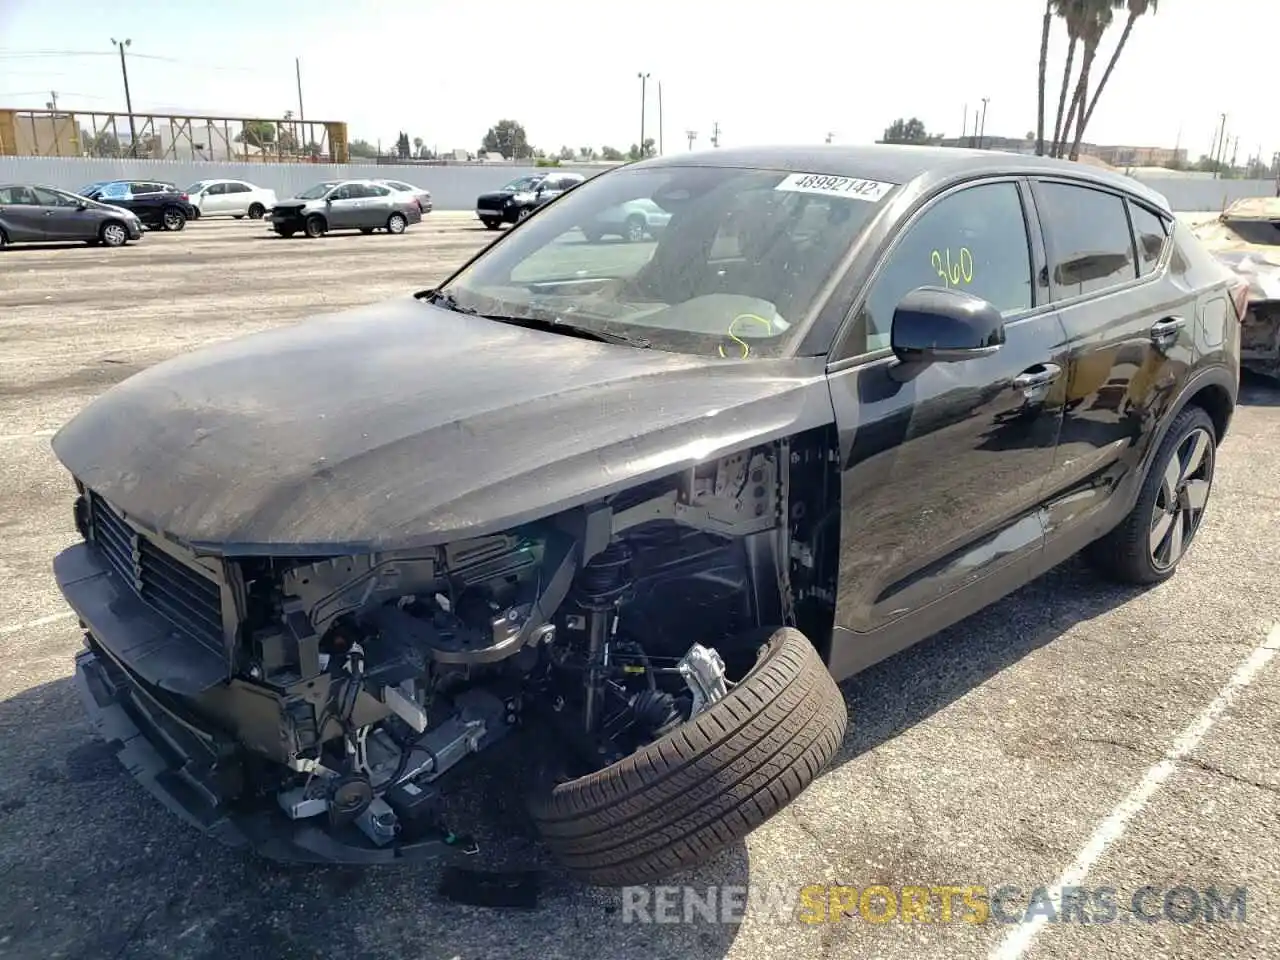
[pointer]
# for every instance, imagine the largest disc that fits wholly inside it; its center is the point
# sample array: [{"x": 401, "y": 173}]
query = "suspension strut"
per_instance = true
[{"x": 599, "y": 588}]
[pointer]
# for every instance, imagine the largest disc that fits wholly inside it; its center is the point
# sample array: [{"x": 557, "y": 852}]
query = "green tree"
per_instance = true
[
  {"x": 257, "y": 133},
  {"x": 611, "y": 153},
  {"x": 1049, "y": 8},
  {"x": 906, "y": 131},
  {"x": 508, "y": 138},
  {"x": 1136, "y": 9},
  {"x": 587, "y": 153},
  {"x": 402, "y": 146},
  {"x": 362, "y": 149},
  {"x": 566, "y": 153},
  {"x": 99, "y": 145},
  {"x": 1072, "y": 13},
  {"x": 640, "y": 152},
  {"x": 417, "y": 146}
]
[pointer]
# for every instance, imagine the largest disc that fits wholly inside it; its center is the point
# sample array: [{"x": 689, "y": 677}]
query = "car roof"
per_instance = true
[{"x": 903, "y": 163}]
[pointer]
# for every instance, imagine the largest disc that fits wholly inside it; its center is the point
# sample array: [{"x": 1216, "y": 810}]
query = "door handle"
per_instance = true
[
  {"x": 1041, "y": 375},
  {"x": 1162, "y": 330}
]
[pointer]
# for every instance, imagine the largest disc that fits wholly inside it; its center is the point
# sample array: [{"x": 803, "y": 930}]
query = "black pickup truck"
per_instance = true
[{"x": 159, "y": 205}]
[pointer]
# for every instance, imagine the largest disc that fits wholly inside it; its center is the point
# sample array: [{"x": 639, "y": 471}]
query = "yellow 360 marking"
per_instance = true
[{"x": 953, "y": 273}]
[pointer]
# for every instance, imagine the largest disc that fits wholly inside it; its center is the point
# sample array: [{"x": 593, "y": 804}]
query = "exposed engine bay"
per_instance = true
[{"x": 362, "y": 680}]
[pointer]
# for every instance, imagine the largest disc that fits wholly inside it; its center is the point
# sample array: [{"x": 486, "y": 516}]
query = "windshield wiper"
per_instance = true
[
  {"x": 448, "y": 301},
  {"x": 573, "y": 330}
]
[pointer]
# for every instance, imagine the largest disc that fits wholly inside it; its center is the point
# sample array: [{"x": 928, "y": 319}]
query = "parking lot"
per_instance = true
[{"x": 1076, "y": 732}]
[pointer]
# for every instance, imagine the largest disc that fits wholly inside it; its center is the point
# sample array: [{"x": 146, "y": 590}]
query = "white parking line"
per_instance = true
[
  {"x": 35, "y": 435},
  {"x": 38, "y": 622},
  {"x": 1020, "y": 939}
]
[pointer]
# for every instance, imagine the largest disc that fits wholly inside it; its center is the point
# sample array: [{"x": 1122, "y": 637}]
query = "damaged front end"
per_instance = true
[
  {"x": 1246, "y": 239},
  {"x": 310, "y": 707}
]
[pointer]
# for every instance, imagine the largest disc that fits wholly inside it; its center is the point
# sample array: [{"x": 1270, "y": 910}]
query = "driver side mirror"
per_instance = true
[
  {"x": 81, "y": 205},
  {"x": 940, "y": 325}
]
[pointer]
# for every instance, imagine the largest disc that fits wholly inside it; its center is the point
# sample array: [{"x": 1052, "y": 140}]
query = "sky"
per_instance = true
[{"x": 766, "y": 72}]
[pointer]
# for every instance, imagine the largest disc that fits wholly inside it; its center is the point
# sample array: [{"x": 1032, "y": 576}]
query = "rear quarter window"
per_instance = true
[
  {"x": 1087, "y": 234},
  {"x": 1152, "y": 236}
]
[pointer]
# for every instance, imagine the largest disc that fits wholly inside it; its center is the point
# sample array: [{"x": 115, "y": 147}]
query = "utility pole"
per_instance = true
[
  {"x": 982, "y": 130},
  {"x": 1221, "y": 146},
  {"x": 660, "y": 126},
  {"x": 715, "y": 133},
  {"x": 830, "y": 135},
  {"x": 1235, "y": 151},
  {"x": 964, "y": 125},
  {"x": 692, "y": 135},
  {"x": 53, "y": 101},
  {"x": 297, "y": 70},
  {"x": 644, "y": 78},
  {"x": 128, "y": 100}
]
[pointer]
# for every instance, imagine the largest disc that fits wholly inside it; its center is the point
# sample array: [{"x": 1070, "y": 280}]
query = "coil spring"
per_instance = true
[{"x": 605, "y": 579}]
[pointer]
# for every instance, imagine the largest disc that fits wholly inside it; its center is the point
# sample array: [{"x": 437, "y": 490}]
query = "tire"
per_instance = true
[
  {"x": 634, "y": 227},
  {"x": 172, "y": 219},
  {"x": 4, "y": 240},
  {"x": 314, "y": 226},
  {"x": 491, "y": 224},
  {"x": 196, "y": 214},
  {"x": 593, "y": 234},
  {"x": 1147, "y": 546},
  {"x": 286, "y": 233},
  {"x": 113, "y": 234},
  {"x": 523, "y": 214},
  {"x": 396, "y": 223},
  {"x": 256, "y": 211},
  {"x": 679, "y": 800}
]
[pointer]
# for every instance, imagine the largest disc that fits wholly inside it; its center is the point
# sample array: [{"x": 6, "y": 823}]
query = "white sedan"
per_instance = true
[{"x": 230, "y": 198}]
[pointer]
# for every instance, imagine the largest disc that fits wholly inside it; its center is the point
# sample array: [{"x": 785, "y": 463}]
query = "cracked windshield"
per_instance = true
[{"x": 714, "y": 261}]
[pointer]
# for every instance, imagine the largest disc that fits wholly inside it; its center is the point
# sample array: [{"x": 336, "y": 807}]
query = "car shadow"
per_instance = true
[
  {"x": 36, "y": 247},
  {"x": 92, "y": 866},
  {"x": 906, "y": 689}
]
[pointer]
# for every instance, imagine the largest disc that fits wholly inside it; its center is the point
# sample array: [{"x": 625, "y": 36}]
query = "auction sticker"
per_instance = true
[{"x": 854, "y": 188}]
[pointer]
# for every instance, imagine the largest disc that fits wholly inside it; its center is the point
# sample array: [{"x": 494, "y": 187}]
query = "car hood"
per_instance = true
[
  {"x": 496, "y": 196},
  {"x": 404, "y": 424}
]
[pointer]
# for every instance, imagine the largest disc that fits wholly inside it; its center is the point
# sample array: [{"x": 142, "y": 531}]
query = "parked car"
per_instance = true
[
  {"x": 34, "y": 213},
  {"x": 363, "y": 205},
  {"x": 634, "y": 221},
  {"x": 648, "y": 501},
  {"x": 158, "y": 204},
  {"x": 522, "y": 196},
  {"x": 421, "y": 195},
  {"x": 230, "y": 198}
]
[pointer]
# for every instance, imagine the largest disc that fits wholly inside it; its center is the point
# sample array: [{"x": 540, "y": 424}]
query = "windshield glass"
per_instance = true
[
  {"x": 196, "y": 187},
  {"x": 522, "y": 184},
  {"x": 90, "y": 188},
  {"x": 715, "y": 261},
  {"x": 318, "y": 191}
]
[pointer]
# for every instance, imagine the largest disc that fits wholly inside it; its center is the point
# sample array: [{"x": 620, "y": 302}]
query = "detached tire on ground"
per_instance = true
[{"x": 679, "y": 800}]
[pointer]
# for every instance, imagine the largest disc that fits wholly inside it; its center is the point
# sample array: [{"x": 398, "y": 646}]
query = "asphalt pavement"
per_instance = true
[{"x": 1074, "y": 734}]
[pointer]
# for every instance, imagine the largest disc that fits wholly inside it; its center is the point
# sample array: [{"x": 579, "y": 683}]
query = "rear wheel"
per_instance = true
[
  {"x": 4, "y": 240},
  {"x": 173, "y": 219},
  {"x": 114, "y": 234},
  {"x": 523, "y": 214},
  {"x": 314, "y": 226},
  {"x": 689, "y": 794},
  {"x": 256, "y": 210},
  {"x": 396, "y": 223},
  {"x": 593, "y": 234},
  {"x": 1148, "y": 544}
]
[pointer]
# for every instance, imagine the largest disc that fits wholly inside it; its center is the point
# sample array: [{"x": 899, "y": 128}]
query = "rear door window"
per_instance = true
[
  {"x": 1152, "y": 237},
  {"x": 1087, "y": 234}
]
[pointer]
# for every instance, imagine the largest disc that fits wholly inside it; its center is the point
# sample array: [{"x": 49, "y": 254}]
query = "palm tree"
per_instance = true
[
  {"x": 1044, "y": 64},
  {"x": 1137, "y": 8},
  {"x": 1096, "y": 21},
  {"x": 1072, "y": 13}
]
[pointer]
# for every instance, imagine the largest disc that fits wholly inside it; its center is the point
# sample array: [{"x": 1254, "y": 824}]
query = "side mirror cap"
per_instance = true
[{"x": 939, "y": 325}]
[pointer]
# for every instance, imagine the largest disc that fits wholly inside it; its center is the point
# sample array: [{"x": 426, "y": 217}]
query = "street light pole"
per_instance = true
[
  {"x": 982, "y": 127},
  {"x": 644, "y": 77},
  {"x": 128, "y": 100}
]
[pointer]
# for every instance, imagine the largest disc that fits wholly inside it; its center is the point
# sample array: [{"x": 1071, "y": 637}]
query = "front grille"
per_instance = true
[{"x": 184, "y": 596}]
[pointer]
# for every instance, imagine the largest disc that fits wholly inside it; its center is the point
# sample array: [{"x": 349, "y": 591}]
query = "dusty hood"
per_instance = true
[{"x": 404, "y": 424}]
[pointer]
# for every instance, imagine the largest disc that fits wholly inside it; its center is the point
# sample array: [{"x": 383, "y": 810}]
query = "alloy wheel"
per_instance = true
[
  {"x": 113, "y": 235},
  {"x": 173, "y": 220},
  {"x": 1180, "y": 502}
]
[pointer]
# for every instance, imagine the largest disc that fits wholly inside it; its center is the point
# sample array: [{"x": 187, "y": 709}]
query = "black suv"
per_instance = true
[
  {"x": 158, "y": 204},
  {"x": 640, "y": 504},
  {"x": 522, "y": 196}
]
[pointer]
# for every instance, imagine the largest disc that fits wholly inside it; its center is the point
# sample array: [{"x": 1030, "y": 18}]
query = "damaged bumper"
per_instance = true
[{"x": 190, "y": 776}]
